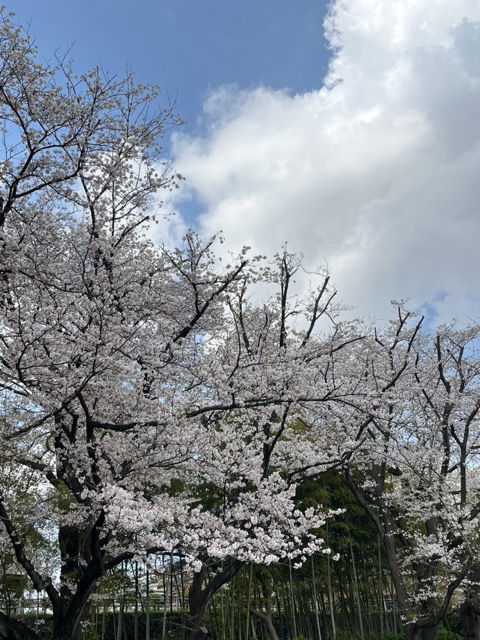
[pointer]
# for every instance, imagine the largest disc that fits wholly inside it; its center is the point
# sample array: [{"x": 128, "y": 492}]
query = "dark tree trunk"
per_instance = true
[
  {"x": 470, "y": 617},
  {"x": 268, "y": 620},
  {"x": 68, "y": 615},
  {"x": 200, "y": 594},
  {"x": 427, "y": 634},
  {"x": 69, "y": 609},
  {"x": 412, "y": 632},
  {"x": 266, "y": 617},
  {"x": 11, "y": 629},
  {"x": 198, "y": 598},
  {"x": 65, "y": 624},
  {"x": 423, "y": 628}
]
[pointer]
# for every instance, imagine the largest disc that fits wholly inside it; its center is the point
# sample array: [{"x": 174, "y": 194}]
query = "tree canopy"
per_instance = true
[
  {"x": 134, "y": 377},
  {"x": 159, "y": 400}
]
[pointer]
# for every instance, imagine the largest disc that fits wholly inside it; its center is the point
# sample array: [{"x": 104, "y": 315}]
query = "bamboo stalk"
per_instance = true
[
  {"x": 249, "y": 600},
  {"x": 330, "y": 595},
  {"x": 355, "y": 584},
  {"x": 317, "y": 616},
  {"x": 292, "y": 600}
]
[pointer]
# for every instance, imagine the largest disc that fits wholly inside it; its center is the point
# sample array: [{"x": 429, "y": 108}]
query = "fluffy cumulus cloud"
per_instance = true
[{"x": 376, "y": 174}]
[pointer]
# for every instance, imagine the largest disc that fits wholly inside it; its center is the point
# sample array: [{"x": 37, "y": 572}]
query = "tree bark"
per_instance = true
[
  {"x": 470, "y": 617},
  {"x": 267, "y": 619},
  {"x": 197, "y": 602},
  {"x": 11, "y": 629},
  {"x": 412, "y": 632},
  {"x": 199, "y": 596}
]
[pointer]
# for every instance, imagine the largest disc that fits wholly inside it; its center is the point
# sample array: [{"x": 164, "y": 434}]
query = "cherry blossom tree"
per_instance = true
[
  {"x": 148, "y": 403},
  {"x": 415, "y": 471}
]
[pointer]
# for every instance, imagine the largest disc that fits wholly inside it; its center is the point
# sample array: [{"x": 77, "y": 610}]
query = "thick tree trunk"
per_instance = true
[
  {"x": 67, "y": 618},
  {"x": 68, "y": 611},
  {"x": 267, "y": 589},
  {"x": 199, "y": 596},
  {"x": 419, "y": 630},
  {"x": 470, "y": 617},
  {"x": 197, "y": 601},
  {"x": 11, "y": 629},
  {"x": 268, "y": 620},
  {"x": 82, "y": 565},
  {"x": 65, "y": 627},
  {"x": 427, "y": 633}
]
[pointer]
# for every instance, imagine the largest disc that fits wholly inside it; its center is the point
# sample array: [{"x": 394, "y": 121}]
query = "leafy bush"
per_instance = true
[
  {"x": 342, "y": 635},
  {"x": 446, "y": 634}
]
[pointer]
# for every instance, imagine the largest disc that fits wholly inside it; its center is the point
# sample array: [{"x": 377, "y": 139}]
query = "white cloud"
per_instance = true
[{"x": 377, "y": 173}]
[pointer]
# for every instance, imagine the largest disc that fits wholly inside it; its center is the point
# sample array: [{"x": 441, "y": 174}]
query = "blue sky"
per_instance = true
[
  {"x": 352, "y": 133},
  {"x": 189, "y": 47}
]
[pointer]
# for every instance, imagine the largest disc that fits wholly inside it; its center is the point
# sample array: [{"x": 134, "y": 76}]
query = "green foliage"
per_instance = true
[
  {"x": 446, "y": 634},
  {"x": 343, "y": 635},
  {"x": 443, "y": 634},
  {"x": 90, "y": 634},
  {"x": 331, "y": 491},
  {"x": 42, "y": 623}
]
